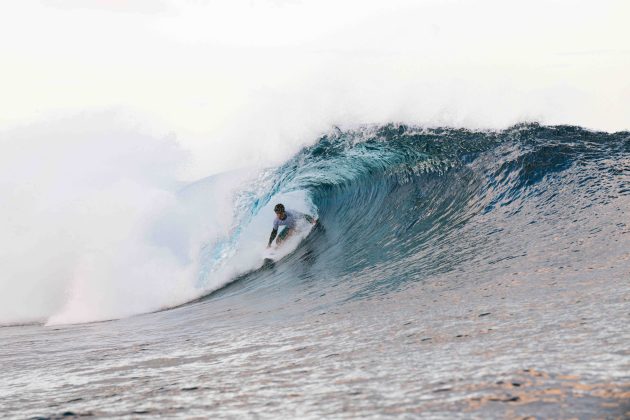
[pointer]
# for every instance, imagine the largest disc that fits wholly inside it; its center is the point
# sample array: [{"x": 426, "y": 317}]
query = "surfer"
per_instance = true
[{"x": 288, "y": 218}]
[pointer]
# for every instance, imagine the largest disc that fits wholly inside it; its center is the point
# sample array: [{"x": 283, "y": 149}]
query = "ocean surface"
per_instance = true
[{"x": 452, "y": 274}]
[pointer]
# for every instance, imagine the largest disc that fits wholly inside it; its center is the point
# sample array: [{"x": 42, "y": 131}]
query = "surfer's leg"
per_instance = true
[{"x": 284, "y": 235}]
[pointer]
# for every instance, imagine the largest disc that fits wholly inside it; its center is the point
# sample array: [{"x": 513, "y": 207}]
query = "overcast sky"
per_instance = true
[{"x": 276, "y": 73}]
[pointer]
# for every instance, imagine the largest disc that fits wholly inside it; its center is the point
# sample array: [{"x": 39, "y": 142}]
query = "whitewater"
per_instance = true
[{"x": 470, "y": 177}]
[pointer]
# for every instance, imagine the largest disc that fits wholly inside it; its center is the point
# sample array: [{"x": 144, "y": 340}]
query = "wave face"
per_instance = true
[{"x": 400, "y": 204}]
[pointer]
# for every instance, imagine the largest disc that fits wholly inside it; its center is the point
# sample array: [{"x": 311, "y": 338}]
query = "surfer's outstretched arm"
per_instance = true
[
  {"x": 310, "y": 219},
  {"x": 272, "y": 237}
]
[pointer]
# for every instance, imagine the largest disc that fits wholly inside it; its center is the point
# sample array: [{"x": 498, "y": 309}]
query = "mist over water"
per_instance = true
[
  {"x": 80, "y": 195},
  {"x": 99, "y": 226}
]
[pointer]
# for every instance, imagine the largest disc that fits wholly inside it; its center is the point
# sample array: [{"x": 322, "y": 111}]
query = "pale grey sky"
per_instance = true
[{"x": 223, "y": 72}]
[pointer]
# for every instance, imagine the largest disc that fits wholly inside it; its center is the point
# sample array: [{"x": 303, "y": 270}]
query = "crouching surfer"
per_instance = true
[{"x": 288, "y": 218}]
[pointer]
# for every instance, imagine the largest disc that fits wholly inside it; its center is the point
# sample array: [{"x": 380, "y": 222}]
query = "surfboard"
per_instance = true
[
  {"x": 268, "y": 263},
  {"x": 270, "y": 254},
  {"x": 269, "y": 258}
]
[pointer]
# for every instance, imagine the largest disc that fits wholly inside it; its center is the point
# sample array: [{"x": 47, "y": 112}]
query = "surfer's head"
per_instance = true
[{"x": 279, "y": 210}]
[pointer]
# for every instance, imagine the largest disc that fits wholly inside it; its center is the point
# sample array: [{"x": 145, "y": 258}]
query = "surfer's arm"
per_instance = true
[
  {"x": 309, "y": 219},
  {"x": 272, "y": 237}
]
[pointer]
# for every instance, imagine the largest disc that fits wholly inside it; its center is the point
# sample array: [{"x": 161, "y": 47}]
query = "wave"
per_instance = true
[{"x": 398, "y": 204}]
